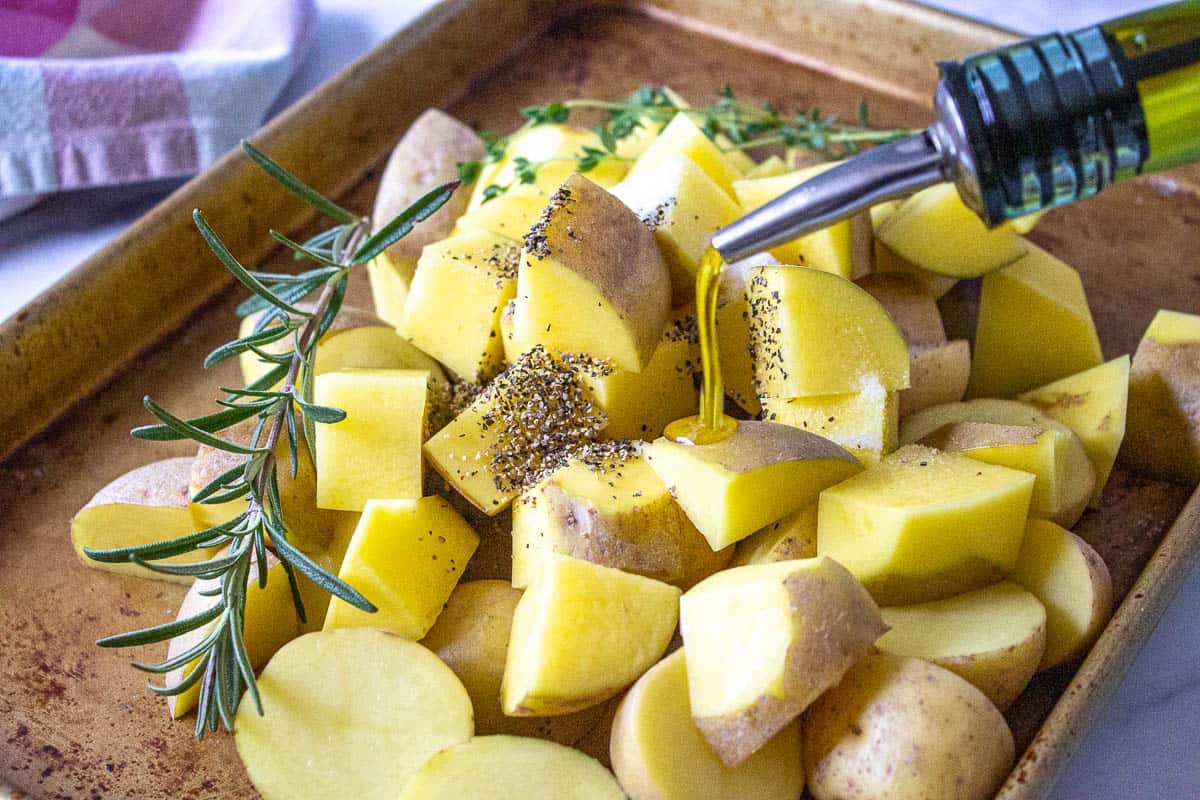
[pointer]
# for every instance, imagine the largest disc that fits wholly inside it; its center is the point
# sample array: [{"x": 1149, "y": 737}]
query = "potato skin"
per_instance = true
[{"x": 901, "y": 728}]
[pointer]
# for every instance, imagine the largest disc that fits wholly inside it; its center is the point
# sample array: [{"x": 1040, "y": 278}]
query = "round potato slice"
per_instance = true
[
  {"x": 901, "y": 728},
  {"x": 658, "y": 752},
  {"x": 512, "y": 768},
  {"x": 993, "y": 637},
  {"x": 349, "y": 712}
]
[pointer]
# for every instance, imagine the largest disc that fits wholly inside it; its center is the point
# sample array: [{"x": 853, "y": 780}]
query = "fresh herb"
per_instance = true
[
  {"x": 281, "y": 405},
  {"x": 733, "y": 123}
]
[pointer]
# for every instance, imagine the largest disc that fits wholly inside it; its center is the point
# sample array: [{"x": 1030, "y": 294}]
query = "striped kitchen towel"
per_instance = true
[{"x": 104, "y": 92}]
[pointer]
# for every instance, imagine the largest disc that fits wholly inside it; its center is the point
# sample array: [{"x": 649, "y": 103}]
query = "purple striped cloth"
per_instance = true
[{"x": 104, "y": 92}]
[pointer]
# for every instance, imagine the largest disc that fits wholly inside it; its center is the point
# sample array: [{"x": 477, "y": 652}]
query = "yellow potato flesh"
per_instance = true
[
  {"x": 560, "y": 143},
  {"x": 761, "y": 473},
  {"x": 512, "y": 768},
  {"x": 828, "y": 249},
  {"x": 936, "y": 232},
  {"x": 681, "y": 136},
  {"x": 737, "y": 367},
  {"x": 620, "y": 516},
  {"x": 349, "y": 713},
  {"x": 582, "y": 633},
  {"x": 993, "y": 637},
  {"x": 939, "y": 375},
  {"x": 376, "y": 450},
  {"x": 315, "y": 598},
  {"x": 1073, "y": 583},
  {"x": 1174, "y": 327},
  {"x": 1034, "y": 327},
  {"x": 922, "y": 525},
  {"x": 471, "y": 637},
  {"x": 793, "y": 537},
  {"x": 866, "y": 423},
  {"x": 1093, "y": 404},
  {"x": 904, "y": 729},
  {"x": 768, "y": 168},
  {"x": 389, "y": 288},
  {"x": 405, "y": 557},
  {"x": 658, "y": 753},
  {"x": 910, "y": 305},
  {"x": 640, "y": 405},
  {"x": 510, "y": 215},
  {"x": 813, "y": 333},
  {"x": 811, "y": 621}
]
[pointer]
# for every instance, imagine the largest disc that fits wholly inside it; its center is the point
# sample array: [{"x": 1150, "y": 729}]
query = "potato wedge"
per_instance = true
[
  {"x": 682, "y": 136},
  {"x": 939, "y": 373},
  {"x": 793, "y": 537},
  {"x": 658, "y": 753},
  {"x": 337, "y": 721},
  {"x": 900, "y": 728},
  {"x": 866, "y": 423},
  {"x": 993, "y": 637},
  {"x": 912, "y": 307},
  {"x": 512, "y": 768}
]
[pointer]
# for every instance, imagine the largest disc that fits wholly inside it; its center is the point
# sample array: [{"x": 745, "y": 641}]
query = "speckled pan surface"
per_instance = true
[{"x": 76, "y": 722}]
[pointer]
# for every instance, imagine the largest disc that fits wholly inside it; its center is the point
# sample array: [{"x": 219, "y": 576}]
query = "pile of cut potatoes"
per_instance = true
[{"x": 843, "y": 595}]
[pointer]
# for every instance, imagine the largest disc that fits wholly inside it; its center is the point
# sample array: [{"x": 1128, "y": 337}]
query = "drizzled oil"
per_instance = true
[{"x": 711, "y": 425}]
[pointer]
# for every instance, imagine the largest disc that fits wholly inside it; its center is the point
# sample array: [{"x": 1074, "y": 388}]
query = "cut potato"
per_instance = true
[
  {"x": 1164, "y": 400},
  {"x": 658, "y": 753},
  {"x": 761, "y": 473},
  {"x": 329, "y": 558},
  {"x": 1073, "y": 583},
  {"x": 471, "y": 636},
  {"x": 145, "y": 505},
  {"x": 866, "y": 423},
  {"x": 768, "y": 168},
  {"x": 934, "y": 230},
  {"x": 405, "y": 557},
  {"x": 912, "y": 307},
  {"x": 733, "y": 332},
  {"x": 353, "y": 712},
  {"x": 1093, "y": 404},
  {"x": 993, "y": 637},
  {"x": 453, "y": 309},
  {"x": 510, "y": 215},
  {"x": 512, "y": 768},
  {"x": 269, "y": 621},
  {"x": 681, "y": 136},
  {"x": 812, "y": 333},
  {"x": 900, "y": 728},
  {"x": 376, "y": 450},
  {"x": 427, "y": 154},
  {"x": 923, "y": 525},
  {"x": 592, "y": 280},
  {"x": 1034, "y": 327},
  {"x": 791, "y": 538},
  {"x": 582, "y": 633},
  {"x": 940, "y": 374},
  {"x": 557, "y": 146},
  {"x": 811, "y": 621},
  {"x": 610, "y": 508},
  {"x": 829, "y": 249},
  {"x": 683, "y": 207},
  {"x": 520, "y": 424}
]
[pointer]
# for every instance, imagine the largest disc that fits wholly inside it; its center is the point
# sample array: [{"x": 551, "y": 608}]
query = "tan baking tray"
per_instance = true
[{"x": 136, "y": 318}]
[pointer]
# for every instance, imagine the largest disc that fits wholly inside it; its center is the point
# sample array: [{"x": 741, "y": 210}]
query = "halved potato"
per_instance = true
[
  {"x": 353, "y": 712},
  {"x": 994, "y": 637}
]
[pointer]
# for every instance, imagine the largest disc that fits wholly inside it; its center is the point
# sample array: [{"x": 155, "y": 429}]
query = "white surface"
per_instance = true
[{"x": 1146, "y": 744}]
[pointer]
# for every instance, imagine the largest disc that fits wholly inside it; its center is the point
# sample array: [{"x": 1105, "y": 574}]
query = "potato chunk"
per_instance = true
[
  {"x": 405, "y": 557},
  {"x": 812, "y": 333},
  {"x": 608, "y": 506},
  {"x": 582, "y": 633},
  {"x": 811, "y": 621},
  {"x": 145, "y": 505},
  {"x": 454, "y": 304},
  {"x": 793, "y": 537},
  {"x": 940, "y": 373},
  {"x": 1093, "y": 404},
  {"x": 866, "y": 423},
  {"x": 1073, "y": 583},
  {"x": 900, "y": 728},
  {"x": 471, "y": 636},
  {"x": 554, "y": 142},
  {"x": 353, "y": 712},
  {"x": 510, "y": 215},
  {"x": 376, "y": 450},
  {"x": 1163, "y": 438},
  {"x": 591, "y": 279},
  {"x": 658, "y": 753},
  {"x": 923, "y": 524},
  {"x": 681, "y": 136},
  {"x": 912, "y": 307},
  {"x": 761, "y": 473},
  {"x": 512, "y": 768},
  {"x": 1034, "y": 327},
  {"x": 994, "y": 637}
]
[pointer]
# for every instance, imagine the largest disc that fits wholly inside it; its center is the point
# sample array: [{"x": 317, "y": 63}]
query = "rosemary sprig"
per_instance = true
[
  {"x": 223, "y": 670},
  {"x": 743, "y": 125}
]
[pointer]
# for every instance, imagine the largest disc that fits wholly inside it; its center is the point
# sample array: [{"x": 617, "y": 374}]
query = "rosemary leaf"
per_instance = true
[
  {"x": 403, "y": 222},
  {"x": 311, "y": 570},
  {"x": 189, "y": 680},
  {"x": 302, "y": 251},
  {"x": 239, "y": 346},
  {"x": 156, "y": 550},
  {"x": 296, "y": 186},
  {"x": 182, "y": 659},
  {"x": 234, "y": 266},
  {"x": 188, "y": 430},
  {"x": 209, "y": 423},
  {"x": 325, "y": 414},
  {"x": 160, "y": 633}
]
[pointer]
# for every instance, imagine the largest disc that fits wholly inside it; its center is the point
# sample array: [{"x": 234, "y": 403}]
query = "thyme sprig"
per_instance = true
[
  {"x": 733, "y": 123},
  {"x": 275, "y": 402}
]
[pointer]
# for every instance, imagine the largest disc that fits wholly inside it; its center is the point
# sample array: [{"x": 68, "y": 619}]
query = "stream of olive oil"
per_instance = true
[{"x": 711, "y": 425}]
